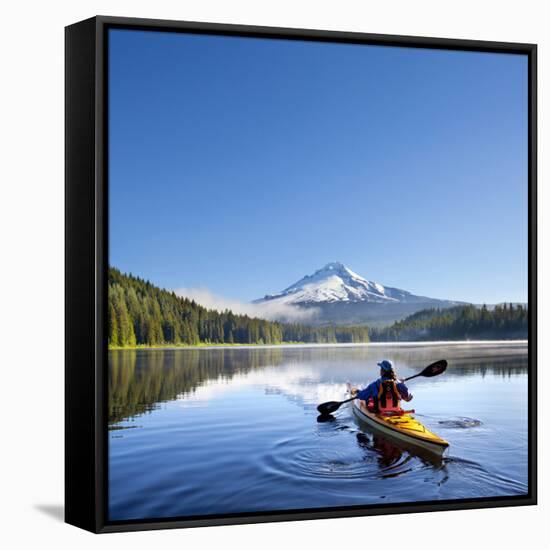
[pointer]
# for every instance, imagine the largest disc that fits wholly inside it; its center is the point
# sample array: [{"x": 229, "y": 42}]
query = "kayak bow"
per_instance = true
[{"x": 403, "y": 427}]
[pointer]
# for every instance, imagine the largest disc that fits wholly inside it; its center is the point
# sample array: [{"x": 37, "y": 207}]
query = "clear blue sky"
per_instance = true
[{"x": 240, "y": 165}]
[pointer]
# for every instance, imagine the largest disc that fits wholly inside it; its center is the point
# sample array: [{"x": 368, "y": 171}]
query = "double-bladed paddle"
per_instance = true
[{"x": 431, "y": 370}]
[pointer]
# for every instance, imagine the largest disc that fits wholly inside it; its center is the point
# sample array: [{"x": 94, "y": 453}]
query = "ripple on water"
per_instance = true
[
  {"x": 317, "y": 461},
  {"x": 460, "y": 422},
  {"x": 343, "y": 453},
  {"x": 486, "y": 483}
]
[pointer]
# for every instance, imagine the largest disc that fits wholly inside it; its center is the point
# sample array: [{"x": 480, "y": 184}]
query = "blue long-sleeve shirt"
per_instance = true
[{"x": 372, "y": 390}]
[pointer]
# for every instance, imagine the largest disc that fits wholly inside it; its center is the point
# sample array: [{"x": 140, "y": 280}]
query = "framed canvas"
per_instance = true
[{"x": 300, "y": 274}]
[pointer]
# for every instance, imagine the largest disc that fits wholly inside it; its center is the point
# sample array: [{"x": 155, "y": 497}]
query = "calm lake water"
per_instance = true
[{"x": 214, "y": 431}]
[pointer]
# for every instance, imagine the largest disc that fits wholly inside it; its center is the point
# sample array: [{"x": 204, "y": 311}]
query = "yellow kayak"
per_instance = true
[{"x": 403, "y": 427}]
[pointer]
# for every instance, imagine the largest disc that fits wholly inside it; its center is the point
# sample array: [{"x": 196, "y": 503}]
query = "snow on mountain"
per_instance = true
[{"x": 337, "y": 283}]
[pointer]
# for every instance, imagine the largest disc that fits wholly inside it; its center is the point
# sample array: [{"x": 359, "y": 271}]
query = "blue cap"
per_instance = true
[{"x": 385, "y": 365}]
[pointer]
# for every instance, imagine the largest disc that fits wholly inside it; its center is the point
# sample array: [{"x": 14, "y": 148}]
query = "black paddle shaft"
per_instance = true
[{"x": 434, "y": 369}]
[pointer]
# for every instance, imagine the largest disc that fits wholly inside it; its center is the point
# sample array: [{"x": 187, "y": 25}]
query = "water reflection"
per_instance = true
[
  {"x": 390, "y": 453},
  {"x": 141, "y": 379}
]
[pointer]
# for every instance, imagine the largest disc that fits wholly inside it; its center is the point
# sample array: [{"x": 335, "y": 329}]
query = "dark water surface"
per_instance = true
[{"x": 210, "y": 431}]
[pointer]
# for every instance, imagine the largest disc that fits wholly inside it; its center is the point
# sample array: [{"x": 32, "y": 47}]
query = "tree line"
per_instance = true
[
  {"x": 468, "y": 322},
  {"x": 139, "y": 313}
]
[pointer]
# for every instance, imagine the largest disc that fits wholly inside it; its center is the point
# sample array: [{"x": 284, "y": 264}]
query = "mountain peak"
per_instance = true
[
  {"x": 336, "y": 269},
  {"x": 337, "y": 283},
  {"x": 333, "y": 266}
]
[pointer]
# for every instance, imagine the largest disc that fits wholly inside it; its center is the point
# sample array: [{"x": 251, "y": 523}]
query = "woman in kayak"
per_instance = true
[{"x": 384, "y": 395}]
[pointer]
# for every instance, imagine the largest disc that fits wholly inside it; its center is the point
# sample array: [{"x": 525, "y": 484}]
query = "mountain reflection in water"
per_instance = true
[{"x": 141, "y": 379}]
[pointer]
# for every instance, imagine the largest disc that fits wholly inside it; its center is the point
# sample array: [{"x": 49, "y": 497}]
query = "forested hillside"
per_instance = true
[
  {"x": 458, "y": 323},
  {"x": 143, "y": 314}
]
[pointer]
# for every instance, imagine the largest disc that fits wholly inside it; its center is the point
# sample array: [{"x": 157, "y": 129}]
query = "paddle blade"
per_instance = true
[
  {"x": 328, "y": 407},
  {"x": 434, "y": 369},
  {"x": 322, "y": 418}
]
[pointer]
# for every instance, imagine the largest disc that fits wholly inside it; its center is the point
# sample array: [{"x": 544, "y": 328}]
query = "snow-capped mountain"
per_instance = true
[
  {"x": 337, "y": 283},
  {"x": 344, "y": 297}
]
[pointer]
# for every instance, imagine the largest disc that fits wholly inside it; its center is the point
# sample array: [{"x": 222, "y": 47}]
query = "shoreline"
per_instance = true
[{"x": 321, "y": 345}]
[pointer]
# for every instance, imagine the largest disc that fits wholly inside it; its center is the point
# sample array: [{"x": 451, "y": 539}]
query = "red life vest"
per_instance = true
[{"x": 388, "y": 397}]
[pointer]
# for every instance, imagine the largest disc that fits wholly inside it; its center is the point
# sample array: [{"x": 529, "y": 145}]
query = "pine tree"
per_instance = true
[{"x": 113, "y": 326}]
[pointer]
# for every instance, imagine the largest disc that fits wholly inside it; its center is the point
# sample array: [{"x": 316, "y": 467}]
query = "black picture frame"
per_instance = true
[{"x": 86, "y": 248}]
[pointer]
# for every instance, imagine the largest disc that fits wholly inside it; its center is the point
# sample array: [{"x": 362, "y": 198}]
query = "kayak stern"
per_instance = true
[{"x": 405, "y": 427}]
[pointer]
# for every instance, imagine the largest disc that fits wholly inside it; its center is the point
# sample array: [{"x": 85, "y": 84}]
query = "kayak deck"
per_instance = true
[{"x": 403, "y": 427}]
